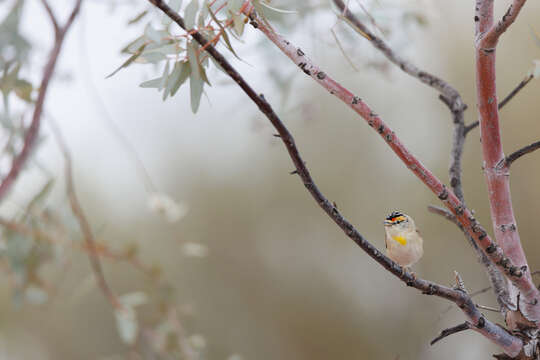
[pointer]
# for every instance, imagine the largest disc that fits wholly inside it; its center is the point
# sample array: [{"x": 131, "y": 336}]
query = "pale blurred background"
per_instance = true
[{"x": 279, "y": 280}]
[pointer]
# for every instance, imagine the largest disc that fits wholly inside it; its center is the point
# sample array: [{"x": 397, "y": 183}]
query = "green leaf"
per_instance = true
[
  {"x": 190, "y": 13},
  {"x": 138, "y": 17},
  {"x": 23, "y": 89},
  {"x": 154, "y": 83},
  {"x": 196, "y": 82},
  {"x": 235, "y": 5},
  {"x": 164, "y": 77},
  {"x": 151, "y": 57},
  {"x": 224, "y": 32},
  {"x": 184, "y": 74},
  {"x": 133, "y": 46},
  {"x": 203, "y": 14},
  {"x": 239, "y": 24},
  {"x": 152, "y": 34},
  {"x": 131, "y": 59}
]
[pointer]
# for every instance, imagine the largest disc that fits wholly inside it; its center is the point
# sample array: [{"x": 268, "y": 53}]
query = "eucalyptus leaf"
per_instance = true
[
  {"x": 164, "y": 77},
  {"x": 131, "y": 59},
  {"x": 184, "y": 74},
  {"x": 190, "y": 13},
  {"x": 152, "y": 34},
  {"x": 138, "y": 17},
  {"x": 235, "y": 5},
  {"x": 154, "y": 83},
  {"x": 151, "y": 57}
]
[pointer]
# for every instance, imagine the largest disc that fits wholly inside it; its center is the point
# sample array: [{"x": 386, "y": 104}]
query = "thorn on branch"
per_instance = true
[
  {"x": 460, "y": 284},
  {"x": 453, "y": 330}
]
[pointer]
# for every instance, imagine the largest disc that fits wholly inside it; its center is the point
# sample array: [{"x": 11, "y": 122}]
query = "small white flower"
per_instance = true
[
  {"x": 197, "y": 341},
  {"x": 164, "y": 205},
  {"x": 193, "y": 249}
]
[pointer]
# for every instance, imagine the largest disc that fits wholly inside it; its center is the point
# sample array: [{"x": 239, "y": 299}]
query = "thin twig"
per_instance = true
[
  {"x": 511, "y": 344},
  {"x": 451, "y": 97},
  {"x": 33, "y": 130},
  {"x": 463, "y": 214},
  {"x": 495, "y": 277},
  {"x": 523, "y": 151},
  {"x": 488, "y": 308},
  {"x": 450, "y": 331},
  {"x": 490, "y": 38},
  {"x": 51, "y": 15},
  {"x": 505, "y": 101},
  {"x": 84, "y": 225}
]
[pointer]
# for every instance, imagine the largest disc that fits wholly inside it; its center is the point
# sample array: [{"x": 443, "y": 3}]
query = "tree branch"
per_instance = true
[
  {"x": 450, "y": 331},
  {"x": 84, "y": 225},
  {"x": 491, "y": 37},
  {"x": 495, "y": 277},
  {"x": 464, "y": 215},
  {"x": 497, "y": 177},
  {"x": 51, "y": 15},
  {"x": 519, "y": 153},
  {"x": 33, "y": 129},
  {"x": 451, "y": 97},
  {"x": 510, "y": 343},
  {"x": 505, "y": 101}
]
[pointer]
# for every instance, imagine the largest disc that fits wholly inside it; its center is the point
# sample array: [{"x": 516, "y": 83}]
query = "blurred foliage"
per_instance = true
[{"x": 37, "y": 236}]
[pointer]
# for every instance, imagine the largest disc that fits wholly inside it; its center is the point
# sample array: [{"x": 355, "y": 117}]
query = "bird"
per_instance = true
[{"x": 404, "y": 245}]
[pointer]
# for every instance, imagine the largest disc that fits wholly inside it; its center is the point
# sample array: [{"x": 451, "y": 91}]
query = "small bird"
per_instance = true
[{"x": 404, "y": 244}]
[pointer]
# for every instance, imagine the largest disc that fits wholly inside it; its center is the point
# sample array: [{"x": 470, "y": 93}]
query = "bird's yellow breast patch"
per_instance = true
[{"x": 400, "y": 239}]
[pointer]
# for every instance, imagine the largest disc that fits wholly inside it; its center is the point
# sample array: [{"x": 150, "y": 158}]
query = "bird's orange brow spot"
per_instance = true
[{"x": 398, "y": 218}]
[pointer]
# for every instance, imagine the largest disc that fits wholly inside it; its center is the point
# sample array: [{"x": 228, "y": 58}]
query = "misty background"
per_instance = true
[{"x": 280, "y": 280}]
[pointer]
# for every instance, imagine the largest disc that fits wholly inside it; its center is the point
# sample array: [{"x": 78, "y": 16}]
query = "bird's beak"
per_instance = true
[{"x": 387, "y": 223}]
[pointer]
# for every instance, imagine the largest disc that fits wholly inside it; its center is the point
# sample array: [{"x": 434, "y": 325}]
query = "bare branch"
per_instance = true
[
  {"x": 511, "y": 344},
  {"x": 431, "y": 80},
  {"x": 523, "y": 151},
  {"x": 51, "y": 15},
  {"x": 490, "y": 39},
  {"x": 450, "y": 331},
  {"x": 505, "y": 101},
  {"x": 33, "y": 129},
  {"x": 86, "y": 229},
  {"x": 464, "y": 215},
  {"x": 495, "y": 277},
  {"x": 449, "y": 95},
  {"x": 497, "y": 179}
]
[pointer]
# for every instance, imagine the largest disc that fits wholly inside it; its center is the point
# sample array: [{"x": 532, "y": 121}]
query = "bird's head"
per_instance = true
[{"x": 397, "y": 219}]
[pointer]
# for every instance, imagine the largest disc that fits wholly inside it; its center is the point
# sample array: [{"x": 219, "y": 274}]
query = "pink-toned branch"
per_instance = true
[
  {"x": 490, "y": 36},
  {"x": 464, "y": 215},
  {"x": 496, "y": 169},
  {"x": 84, "y": 225},
  {"x": 511, "y": 344},
  {"x": 33, "y": 130}
]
